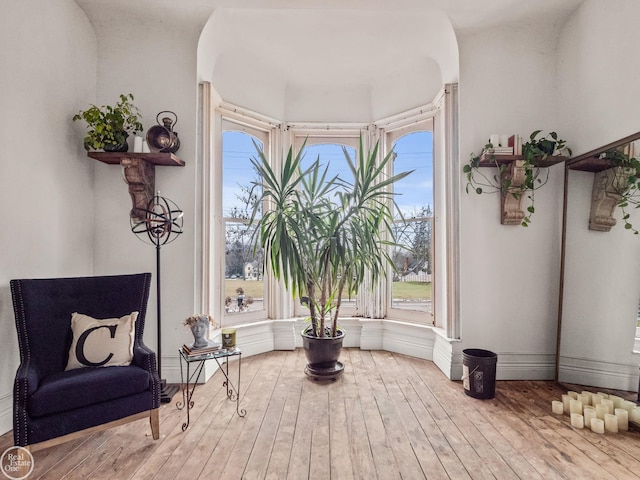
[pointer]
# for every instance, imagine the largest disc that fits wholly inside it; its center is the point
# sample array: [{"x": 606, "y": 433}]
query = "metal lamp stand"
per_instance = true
[{"x": 162, "y": 224}]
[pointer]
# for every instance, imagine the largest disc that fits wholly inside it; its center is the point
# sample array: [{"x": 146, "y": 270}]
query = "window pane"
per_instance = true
[
  {"x": 243, "y": 282},
  {"x": 331, "y": 156},
  {"x": 411, "y": 289}
]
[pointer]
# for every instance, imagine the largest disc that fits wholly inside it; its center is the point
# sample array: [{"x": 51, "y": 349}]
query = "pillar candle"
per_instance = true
[
  {"x": 573, "y": 394},
  {"x": 635, "y": 415},
  {"x": 609, "y": 404},
  {"x": 610, "y": 423},
  {"x": 137, "y": 144},
  {"x": 623, "y": 418},
  {"x": 617, "y": 401},
  {"x": 145, "y": 147},
  {"x": 585, "y": 399},
  {"x": 577, "y": 420},
  {"x": 494, "y": 139},
  {"x": 596, "y": 398},
  {"x": 601, "y": 411},
  {"x": 575, "y": 406},
  {"x": 588, "y": 394},
  {"x": 603, "y": 395},
  {"x": 597, "y": 425},
  {"x": 566, "y": 399},
  {"x": 557, "y": 407},
  {"x": 628, "y": 406},
  {"x": 589, "y": 414}
]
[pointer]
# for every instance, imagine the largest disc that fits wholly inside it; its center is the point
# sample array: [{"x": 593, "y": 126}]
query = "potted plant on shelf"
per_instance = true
[
  {"x": 626, "y": 183},
  {"x": 323, "y": 237},
  {"x": 109, "y": 126},
  {"x": 518, "y": 177}
]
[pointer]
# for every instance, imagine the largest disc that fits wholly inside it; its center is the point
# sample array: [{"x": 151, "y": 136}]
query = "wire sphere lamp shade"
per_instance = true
[{"x": 162, "y": 222}]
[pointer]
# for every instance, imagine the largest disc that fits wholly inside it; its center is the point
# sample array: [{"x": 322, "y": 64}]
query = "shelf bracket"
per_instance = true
[
  {"x": 511, "y": 205},
  {"x": 140, "y": 176},
  {"x": 607, "y": 187}
]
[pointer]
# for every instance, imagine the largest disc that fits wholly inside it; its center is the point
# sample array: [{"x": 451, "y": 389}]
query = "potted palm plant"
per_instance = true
[{"x": 323, "y": 237}]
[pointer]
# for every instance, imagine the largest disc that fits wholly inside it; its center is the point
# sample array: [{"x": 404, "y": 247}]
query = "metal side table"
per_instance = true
[{"x": 194, "y": 372}]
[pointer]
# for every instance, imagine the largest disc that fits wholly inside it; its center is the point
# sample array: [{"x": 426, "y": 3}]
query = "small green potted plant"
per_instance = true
[
  {"x": 109, "y": 126},
  {"x": 629, "y": 191},
  {"x": 537, "y": 153}
]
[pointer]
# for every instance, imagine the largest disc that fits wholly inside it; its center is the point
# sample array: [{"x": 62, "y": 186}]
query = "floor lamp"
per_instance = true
[{"x": 162, "y": 224}]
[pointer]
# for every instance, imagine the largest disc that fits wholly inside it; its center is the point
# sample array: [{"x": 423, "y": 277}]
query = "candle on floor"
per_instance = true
[
  {"x": 601, "y": 411},
  {"x": 575, "y": 406},
  {"x": 585, "y": 399},
  {"x": 617, "y": 401},
  {"x": 588, "y": 394},
  {"x": 596, "y": 398},
  {"x": 557, "y": 407},
  {"x": 573, "y": 394},
  {"x": 635, "y": 414},
  {"x": 577, "y": 420},
  {"x": 623, "y": 418},
  {"x": 604, "y": 395},
  {"x": 628, "y": 406},
  {"x": 597, "y": 425},
  {"x": 609, "y": 404},
  {"x": 610, "y": 423},
  {"x": 566, "y": 399},
  {"x": 589, "y": 414}
]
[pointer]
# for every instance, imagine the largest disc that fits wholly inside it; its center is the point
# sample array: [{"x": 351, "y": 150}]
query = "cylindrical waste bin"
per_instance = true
[{"x": 479, "y": 373}]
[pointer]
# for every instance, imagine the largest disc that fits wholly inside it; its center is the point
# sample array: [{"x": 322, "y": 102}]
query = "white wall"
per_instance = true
[
  {"x": 510, "y": 274},
  {"x": 600, "y": 99},
  {"x": 156, "y": 61},
  {"x": 48, "y": 59}
]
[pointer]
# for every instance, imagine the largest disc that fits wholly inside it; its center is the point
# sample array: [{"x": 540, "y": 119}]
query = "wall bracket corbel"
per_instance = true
[{"x": 139, "y": 174}]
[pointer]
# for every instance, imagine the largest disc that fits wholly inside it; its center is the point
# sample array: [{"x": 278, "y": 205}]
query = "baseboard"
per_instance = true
[
  {"x": 408, "y": 339},
  {"x": 6, "y": 413},
  {"x": 525, "y": 366},
  {"x": 590, "y": 372}
]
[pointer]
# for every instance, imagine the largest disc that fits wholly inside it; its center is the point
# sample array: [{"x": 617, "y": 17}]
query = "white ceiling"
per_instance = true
[{"x": 335, "y": 60}]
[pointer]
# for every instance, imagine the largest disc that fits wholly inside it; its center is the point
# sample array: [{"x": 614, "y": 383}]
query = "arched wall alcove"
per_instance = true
[{"x": 328, "y": 65}]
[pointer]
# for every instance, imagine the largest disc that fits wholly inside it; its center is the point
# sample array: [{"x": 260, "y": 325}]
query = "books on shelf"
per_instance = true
[
  {"x": 210, "y": 348},
  {"x": 513, "y": 147},
  {"x": 515, "y": 142}
]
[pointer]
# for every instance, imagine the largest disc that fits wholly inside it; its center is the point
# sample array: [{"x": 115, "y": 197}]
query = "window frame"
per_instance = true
[{"x": 413, "y": 124}]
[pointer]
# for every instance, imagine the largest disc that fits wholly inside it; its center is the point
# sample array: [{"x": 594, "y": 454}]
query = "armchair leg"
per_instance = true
[{"x": 154, "y": 419}]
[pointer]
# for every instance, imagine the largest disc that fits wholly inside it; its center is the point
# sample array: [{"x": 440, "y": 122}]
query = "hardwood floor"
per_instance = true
[{"x": 389, "y": 417}]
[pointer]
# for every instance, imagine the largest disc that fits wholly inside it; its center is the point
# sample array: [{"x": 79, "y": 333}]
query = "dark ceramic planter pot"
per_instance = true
[
  {"x": 117, "y": 147},
  {"x": 322, "y": 355}
]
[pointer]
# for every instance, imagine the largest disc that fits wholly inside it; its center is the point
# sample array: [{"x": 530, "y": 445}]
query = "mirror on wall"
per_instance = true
[{"x": 600, "y": 273}]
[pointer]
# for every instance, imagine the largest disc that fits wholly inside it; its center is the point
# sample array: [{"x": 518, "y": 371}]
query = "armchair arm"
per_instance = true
[
  {"x": 27, "y": 379},
  {"x": 25, "y": 384},
  {"x": 145, "y": 358}
]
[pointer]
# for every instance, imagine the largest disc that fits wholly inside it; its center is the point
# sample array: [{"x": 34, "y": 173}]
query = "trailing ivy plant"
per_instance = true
[
  {"x": 534, "y": 153},
  {"x": 630, "y": 192}
]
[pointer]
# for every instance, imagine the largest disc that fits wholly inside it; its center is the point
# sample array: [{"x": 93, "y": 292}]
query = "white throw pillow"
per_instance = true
[{"x": 101, "y": 343}]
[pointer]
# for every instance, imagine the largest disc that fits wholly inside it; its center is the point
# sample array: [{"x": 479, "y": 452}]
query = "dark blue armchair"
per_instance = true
[{"x": 52, "y": 405}]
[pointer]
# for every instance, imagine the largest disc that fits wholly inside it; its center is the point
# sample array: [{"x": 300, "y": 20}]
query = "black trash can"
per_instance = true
[{"x": 479, "y": 373}]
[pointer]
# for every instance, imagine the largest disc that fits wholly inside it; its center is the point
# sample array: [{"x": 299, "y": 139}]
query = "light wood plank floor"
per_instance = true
[{"x": 389, "y": 417}]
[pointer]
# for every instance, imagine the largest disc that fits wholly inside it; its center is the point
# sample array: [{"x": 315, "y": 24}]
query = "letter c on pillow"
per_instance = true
[{"x": 83, "y": 338}]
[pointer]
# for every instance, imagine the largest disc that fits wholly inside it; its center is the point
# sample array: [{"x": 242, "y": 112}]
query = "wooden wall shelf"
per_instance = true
[
  {"x": 139, "y": 174},
  {"x": 115, "y": 158},
  {"x": 511, "y": 212},
  {"x": 486, "y": 160}
]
